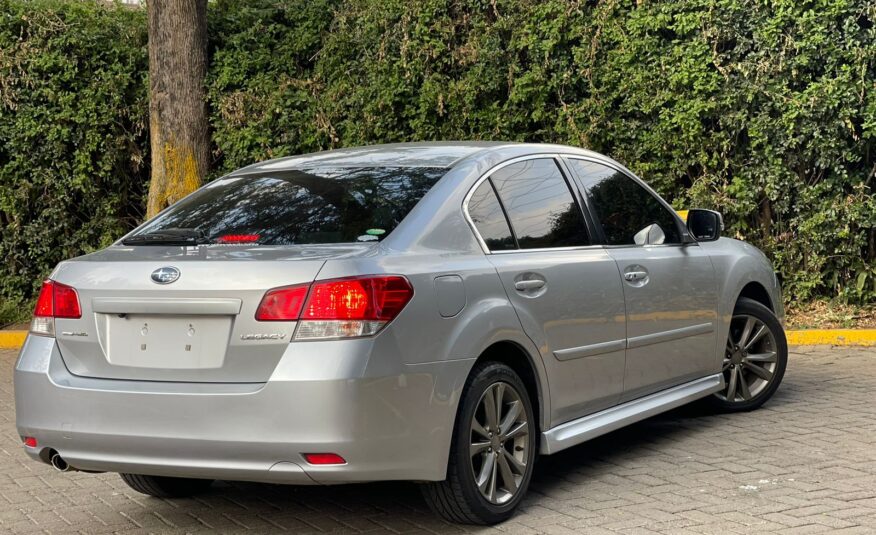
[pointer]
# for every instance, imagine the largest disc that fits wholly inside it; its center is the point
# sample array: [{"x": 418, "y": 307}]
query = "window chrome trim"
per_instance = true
[
  {"x": 549, "y": 249},
  {"x": 556, "y": 157}
]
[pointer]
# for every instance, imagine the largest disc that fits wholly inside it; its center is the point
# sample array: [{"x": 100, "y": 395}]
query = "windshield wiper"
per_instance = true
[{"x": 171, "y": 236}]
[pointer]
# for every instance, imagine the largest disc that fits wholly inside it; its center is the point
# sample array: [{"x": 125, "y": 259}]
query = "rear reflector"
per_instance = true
[
  {"x": 324, "y": 458},
  {"x": 56, "y": 300},
  {"x": 30, "y": 442},
  {"x": 338, "y": 308}
]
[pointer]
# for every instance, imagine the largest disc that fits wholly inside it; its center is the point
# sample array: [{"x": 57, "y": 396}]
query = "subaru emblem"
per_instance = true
[{"x": 165, "y": 275}]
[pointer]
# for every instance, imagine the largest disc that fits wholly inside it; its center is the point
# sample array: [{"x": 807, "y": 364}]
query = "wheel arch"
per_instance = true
[
  {"x": 518, "y": 359},
  {"x": 756, "y": 292}
]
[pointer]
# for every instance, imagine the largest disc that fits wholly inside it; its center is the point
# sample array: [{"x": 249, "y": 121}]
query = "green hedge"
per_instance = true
[
  {"x": 73, "y": 119},
  {"x": 764, "y": 111}
]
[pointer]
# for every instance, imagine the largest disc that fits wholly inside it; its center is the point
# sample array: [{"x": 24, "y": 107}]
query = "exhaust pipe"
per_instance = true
[{"x": 59, "y": 463}]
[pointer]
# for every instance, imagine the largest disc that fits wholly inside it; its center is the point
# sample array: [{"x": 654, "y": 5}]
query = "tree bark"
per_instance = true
[{"x": 179, "y": 136}]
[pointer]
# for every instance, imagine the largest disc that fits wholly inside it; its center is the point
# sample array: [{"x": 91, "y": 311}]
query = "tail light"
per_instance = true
[
  {"x": 338, "y": 308},
  {"x": 56, "y": 300},
  {"x": 282, "y": 304}
]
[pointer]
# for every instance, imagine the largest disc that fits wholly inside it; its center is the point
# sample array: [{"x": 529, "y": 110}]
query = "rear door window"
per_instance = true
[
  {"x": 626, "y": 210},
  {"x": 305, "y": 206},
  {"x": 540, "y": 205}
]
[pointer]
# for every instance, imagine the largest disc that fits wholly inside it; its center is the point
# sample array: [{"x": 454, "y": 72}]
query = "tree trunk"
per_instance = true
[{"x": 179, "y": 136}]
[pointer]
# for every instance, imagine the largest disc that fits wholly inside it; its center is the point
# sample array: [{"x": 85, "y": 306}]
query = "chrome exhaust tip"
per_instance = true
[{"x": 59, "y": 464}]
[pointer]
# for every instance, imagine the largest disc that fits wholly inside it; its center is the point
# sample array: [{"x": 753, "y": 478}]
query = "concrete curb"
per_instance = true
[
  {"x": 808, "y": 337},
  {"x": 835, "y": 337},
  {"x": 12, "y": 339}
]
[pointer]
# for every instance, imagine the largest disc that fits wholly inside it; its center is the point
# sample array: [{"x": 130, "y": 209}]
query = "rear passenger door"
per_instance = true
[
  {"x": 565, "y": 290},
  {"x": 669, "y": 286}
]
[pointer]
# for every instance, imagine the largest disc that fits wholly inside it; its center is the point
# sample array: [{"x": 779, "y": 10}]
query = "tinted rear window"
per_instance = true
[
  {"x": 540, "y": 205},
  {"x": 317, "y": 205}
]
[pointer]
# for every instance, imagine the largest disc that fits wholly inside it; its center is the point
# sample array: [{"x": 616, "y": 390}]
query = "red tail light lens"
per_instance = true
[
  {"x": 45, "y": 305},
  {"x": 338, "y": 308},
  {"x": 372, "y": 298},
  {"x": 57, "y": 300},
  {"x": 66, "y": 302},
  {"x": 282, "y": 304}
]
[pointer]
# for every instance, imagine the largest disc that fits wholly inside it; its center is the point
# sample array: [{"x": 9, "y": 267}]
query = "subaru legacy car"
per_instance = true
[{"x": 434, "y": 312}]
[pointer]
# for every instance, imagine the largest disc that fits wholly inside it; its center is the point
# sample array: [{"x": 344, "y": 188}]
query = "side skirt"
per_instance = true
[{"x": 583, "y": 429}]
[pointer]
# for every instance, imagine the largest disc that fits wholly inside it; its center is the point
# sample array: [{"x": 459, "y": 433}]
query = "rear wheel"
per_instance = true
[
  {"x": 492, "y": 451},
  {"x": 755, "y": 357},
  {"x": 166, "y": 487}
]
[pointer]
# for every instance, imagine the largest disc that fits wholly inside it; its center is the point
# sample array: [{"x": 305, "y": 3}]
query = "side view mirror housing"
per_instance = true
[{"x": 704, "y": 225}]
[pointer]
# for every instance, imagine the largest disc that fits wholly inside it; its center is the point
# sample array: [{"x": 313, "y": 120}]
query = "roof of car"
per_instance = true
[
  {"x": 419, "y": 154},
  {"x": 440, "y": 154}
]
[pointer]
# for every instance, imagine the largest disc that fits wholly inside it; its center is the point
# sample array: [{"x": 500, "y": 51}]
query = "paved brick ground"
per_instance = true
[{"x": 805, "y": 463}]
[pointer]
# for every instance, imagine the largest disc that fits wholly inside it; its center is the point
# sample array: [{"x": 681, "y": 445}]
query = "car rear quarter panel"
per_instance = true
[{"x": 421, "y": 337}]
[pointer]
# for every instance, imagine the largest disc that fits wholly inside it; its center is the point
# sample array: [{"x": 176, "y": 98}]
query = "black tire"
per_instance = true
[
  {"x": 166, "y": 487},
  {"x": 749, "y": 307},
  {"x": 457, "y": 498}
]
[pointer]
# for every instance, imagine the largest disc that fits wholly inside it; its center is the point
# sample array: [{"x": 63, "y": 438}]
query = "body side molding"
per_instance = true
[
  {"x": 590, "y": 350},
  {"x": 583, "y": 429},
  {"x": 667, "y": 336}
]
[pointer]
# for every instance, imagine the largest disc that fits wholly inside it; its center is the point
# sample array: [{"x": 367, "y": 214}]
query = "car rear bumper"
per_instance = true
[{"x": 390, "y": 426}]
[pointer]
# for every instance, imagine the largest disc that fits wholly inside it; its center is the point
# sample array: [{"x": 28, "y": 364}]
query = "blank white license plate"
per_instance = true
[{"x": 166, "y": 341}]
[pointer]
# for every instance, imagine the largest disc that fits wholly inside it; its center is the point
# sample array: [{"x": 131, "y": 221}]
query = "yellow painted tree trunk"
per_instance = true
[{"x": 179, "y": 135}]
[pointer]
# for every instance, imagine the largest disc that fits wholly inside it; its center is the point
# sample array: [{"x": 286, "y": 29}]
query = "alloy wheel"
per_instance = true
[
  {"x": 750, "y": 359},
  {"x": 499, "y": 443}
]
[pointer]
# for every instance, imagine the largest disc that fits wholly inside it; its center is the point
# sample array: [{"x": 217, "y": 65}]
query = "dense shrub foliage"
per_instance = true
[
  {"x": 763, "y": 110},
  {"x": 73, "y": 113}
]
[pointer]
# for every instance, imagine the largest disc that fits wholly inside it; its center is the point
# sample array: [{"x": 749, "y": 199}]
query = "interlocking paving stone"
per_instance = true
[{"x": 804, "y": 463}]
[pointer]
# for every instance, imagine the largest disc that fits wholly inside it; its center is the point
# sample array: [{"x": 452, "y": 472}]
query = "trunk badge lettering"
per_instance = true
[
  {"x": 263, "y": 336},
  {"x": 71, "y": 333},
  {"x": 165, "y": 275}
]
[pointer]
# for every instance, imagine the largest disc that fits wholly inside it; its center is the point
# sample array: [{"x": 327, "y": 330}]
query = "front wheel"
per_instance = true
[
  {"x": 492, "y": 451},
  {"x": 755, "y": 358}
]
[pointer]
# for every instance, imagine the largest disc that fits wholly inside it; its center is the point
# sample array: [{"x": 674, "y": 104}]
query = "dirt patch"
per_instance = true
[{"x": 830, "y": 315}]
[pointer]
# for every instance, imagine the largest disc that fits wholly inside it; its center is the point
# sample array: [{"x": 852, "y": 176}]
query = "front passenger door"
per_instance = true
[{"x": 669, "y": 287}]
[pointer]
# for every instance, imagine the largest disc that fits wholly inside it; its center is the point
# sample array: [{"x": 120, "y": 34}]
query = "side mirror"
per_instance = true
[{"x": 705, "y": 225}]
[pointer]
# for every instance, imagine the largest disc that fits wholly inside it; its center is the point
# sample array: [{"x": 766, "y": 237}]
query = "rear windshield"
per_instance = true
[{"x": 304, "y": 206}]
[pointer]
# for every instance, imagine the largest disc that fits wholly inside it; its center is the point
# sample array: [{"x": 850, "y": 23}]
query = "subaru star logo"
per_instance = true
[{"x": 165, "y": 275}]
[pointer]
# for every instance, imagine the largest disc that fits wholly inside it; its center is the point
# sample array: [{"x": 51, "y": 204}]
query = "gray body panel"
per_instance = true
[{"x": 603, "y": 353}]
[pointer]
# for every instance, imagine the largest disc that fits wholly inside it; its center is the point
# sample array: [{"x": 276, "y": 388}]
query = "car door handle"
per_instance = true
[
  {"x": 533, "y": 284},
  {"x": 634, "y": 276}
]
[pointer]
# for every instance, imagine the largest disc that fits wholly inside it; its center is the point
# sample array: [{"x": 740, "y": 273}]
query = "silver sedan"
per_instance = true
[{"x": 438, "y": 312}]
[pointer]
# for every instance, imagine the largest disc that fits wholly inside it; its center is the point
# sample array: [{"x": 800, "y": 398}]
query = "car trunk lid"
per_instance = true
[{"x": 200, "y": 327}]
